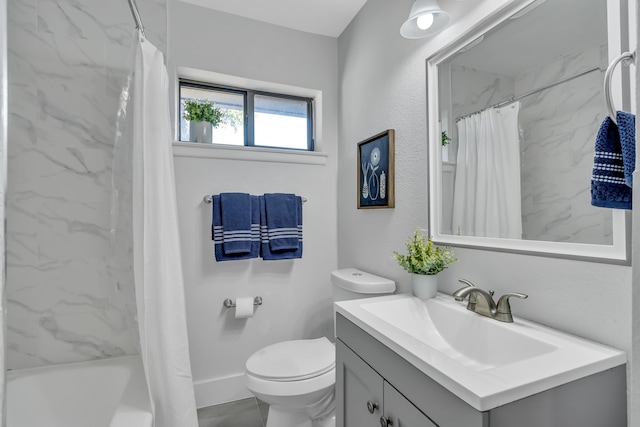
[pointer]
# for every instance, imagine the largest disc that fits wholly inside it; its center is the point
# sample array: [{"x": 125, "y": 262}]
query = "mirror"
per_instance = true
[{"x": 514, "y": 107}]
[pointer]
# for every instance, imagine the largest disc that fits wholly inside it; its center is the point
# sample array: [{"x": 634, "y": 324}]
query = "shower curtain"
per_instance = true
[
  {"x": 487, "y": 200},
  {"x": 145, "y": 226}
]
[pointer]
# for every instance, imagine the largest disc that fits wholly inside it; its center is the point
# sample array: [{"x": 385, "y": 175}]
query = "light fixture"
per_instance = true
[{"x": 426, "y": 18}]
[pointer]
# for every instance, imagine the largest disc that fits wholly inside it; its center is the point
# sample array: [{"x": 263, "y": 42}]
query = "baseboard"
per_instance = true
[{"x": 216, "y": 391}]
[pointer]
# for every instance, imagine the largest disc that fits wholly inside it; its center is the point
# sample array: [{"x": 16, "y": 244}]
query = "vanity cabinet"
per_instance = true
[
  {"x": 398, "y": 411},
  {"x": 368, "y": 398},
  {"x": 361, "y": 389},
  {"x": 371, "y": 376}
]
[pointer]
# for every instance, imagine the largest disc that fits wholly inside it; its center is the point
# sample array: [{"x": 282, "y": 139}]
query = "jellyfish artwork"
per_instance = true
[
  {"x": 365, "y": 185},
  {"x": 374, "y": 180}
]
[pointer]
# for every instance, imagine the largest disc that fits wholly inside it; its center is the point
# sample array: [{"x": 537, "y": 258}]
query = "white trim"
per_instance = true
[
  {"x": 253, "y": 154},
  {"x": 242, "y": 82},
  {"x": 617, "y": 253},
  {"x": 215, "y": 391}
]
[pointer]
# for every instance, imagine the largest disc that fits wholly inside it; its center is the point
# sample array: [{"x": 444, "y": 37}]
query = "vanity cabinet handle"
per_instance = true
[
  {"x": 372, "y": 406},
  {"x": 384, "y": 421}
]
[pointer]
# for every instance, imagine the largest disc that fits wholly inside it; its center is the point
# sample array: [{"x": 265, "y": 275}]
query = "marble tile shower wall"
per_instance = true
[
  {"x": 67, "y": 60},
  {"x": 558, "y": 128},
  {"x": 475, "y": 90}
]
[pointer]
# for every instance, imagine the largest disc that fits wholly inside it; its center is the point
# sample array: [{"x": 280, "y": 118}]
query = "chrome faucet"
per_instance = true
[{"x": 481, "y": 301}]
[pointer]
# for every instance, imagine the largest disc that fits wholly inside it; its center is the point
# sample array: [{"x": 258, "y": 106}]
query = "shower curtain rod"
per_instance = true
[
  {"x": 136, "y": 16},
  {"x": 524, "y": 95}
]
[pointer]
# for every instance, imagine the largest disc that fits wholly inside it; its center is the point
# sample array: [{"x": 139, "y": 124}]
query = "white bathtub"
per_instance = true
[{"x": 104, "y": 393}]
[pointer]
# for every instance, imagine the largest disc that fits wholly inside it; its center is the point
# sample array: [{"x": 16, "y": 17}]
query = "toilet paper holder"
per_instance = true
[{"x": 228, "y": 303}]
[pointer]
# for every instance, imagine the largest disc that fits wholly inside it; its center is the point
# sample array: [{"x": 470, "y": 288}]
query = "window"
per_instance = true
[{"x": 252, "y": 118}]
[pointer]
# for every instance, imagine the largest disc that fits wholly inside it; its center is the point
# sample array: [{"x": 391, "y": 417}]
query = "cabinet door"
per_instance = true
[
  {"x": 400, "y": 412},
  {"x": 359, "y": 390}
]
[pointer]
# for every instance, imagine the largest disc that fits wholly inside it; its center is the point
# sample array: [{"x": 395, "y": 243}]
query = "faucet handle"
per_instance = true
[
  {"x": 472, "y": 298},
  {"x": 466, "y": 282},
  {"x": 503, "y": 309}
]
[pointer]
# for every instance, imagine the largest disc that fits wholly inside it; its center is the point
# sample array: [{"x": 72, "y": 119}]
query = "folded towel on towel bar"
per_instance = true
[
  {"x": 235, "y": 209},
  {"x": 242, "y": 239},
  {"x": 281, "y": 226}
]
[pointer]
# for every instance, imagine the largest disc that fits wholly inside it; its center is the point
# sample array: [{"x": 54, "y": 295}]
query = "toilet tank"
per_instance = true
[{"x": 351, "y": 283}]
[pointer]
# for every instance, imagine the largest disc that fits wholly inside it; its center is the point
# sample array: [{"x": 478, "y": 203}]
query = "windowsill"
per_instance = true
[{"x": 253, "y": 154}]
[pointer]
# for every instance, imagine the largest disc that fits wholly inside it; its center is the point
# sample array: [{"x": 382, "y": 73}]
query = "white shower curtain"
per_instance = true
[
  {"x": 486, "y": 198},
  {"x": 157, "y": 263}
]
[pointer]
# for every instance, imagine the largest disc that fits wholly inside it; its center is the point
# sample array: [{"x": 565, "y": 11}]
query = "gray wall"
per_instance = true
[
  {"x": 382, "y": 85},
  {"x": 296, "y": 293}
]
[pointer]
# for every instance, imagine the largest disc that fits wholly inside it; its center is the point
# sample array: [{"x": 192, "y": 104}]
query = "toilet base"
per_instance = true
[
  {"x": 329, "y": 421},
  {"x": 281, "y": 418}
]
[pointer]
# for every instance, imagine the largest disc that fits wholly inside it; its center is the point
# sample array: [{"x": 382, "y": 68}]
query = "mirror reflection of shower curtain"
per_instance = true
[
  {"x": 486, "y": 198},
  {"x": 146, "y": 240}
]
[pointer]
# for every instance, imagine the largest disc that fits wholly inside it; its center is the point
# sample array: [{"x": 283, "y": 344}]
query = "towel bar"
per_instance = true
[
  {"x": 627, "y": 59},
  {"x": 209, "y": 199},
  {"x": 228, "y": 303}
]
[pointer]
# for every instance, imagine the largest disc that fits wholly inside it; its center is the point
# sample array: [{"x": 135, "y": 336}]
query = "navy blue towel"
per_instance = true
[
  {"x": 236, "y": 222},
  {"x": 282, "y": 221},
  {"x": 217, "y": 232},
  {"x": 627, "y": 130},
  {"x": 270, "y": 254},
  {"x": 609, "y": 187}
]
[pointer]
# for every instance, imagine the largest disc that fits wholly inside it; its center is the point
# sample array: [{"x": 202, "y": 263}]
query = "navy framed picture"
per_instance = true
[{"x": 375, "y": 171}]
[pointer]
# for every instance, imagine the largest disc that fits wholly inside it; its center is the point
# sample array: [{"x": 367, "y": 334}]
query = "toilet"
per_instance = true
[{"x": 297, "y": 378}]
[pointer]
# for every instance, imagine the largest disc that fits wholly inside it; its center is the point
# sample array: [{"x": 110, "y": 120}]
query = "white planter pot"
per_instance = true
[
  {"x": 200, "y": 132},
  {"x": 424, "y": 286},
  {"x": 445, "y": 153}
]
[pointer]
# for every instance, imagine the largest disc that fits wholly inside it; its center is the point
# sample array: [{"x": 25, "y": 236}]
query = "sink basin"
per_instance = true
[
  {"x": 478, "y": 343},
  {"x": 484, "y": 362}
]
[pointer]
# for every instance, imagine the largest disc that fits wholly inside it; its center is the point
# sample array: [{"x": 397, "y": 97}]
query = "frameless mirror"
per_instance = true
[{"x": 513, "y": 111}]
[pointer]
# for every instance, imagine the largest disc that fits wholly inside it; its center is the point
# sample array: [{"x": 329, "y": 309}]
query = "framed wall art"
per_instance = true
[{"x": 375, "y": 171}]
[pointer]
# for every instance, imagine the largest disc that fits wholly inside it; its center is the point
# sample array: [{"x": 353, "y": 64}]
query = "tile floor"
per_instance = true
[{"x": 242, "y": 413}]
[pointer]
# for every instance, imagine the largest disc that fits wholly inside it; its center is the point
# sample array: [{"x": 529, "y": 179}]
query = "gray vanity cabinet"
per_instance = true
[
  {"x": 368, "y": 399},
  {"x": 400, "y": 412},
  {"x": 367, "y": 371},
  {"x": 359, "y": 387}
]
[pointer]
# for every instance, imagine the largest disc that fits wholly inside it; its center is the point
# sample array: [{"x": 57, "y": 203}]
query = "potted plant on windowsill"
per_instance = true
[
  {"x": 424, "y": 261},
  {"x": 203, "y": 117},
  {"x": 446, "y": 140}
]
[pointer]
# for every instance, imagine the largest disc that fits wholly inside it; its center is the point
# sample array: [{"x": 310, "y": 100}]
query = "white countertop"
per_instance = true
[{"x": 504, "y": 372}]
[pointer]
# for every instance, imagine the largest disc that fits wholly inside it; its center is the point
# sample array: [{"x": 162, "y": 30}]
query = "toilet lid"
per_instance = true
[{"x": 293, "y": 360}]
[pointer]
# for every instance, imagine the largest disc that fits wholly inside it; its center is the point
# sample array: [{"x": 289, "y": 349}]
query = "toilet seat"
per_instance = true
[{"x": 295, "y": 360}]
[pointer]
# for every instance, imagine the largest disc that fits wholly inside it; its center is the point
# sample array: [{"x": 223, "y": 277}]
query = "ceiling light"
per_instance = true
[
  {"x": 426, "y": 18},
  {"x": 425, "y": 21}
]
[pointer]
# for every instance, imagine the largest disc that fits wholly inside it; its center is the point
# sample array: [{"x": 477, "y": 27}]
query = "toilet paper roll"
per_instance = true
[{"x": 244, "y": 307}]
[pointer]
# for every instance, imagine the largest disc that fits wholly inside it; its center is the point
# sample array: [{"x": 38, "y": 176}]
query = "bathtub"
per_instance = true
[{"x": 103, "y": 393}]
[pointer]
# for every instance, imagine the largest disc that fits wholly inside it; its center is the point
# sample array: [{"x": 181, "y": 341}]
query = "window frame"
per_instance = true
[{"x": 249, "y": 112}]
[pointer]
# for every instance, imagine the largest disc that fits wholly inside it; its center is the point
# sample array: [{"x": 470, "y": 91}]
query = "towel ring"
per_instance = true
[{"x": 627, "y": 59}]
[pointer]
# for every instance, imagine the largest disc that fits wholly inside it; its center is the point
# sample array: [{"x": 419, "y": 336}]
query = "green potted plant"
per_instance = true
[
  {"x": 424, "y": 261},
  {"x": 445, "y": 139},
  {"x": 203, "y": 116}
]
